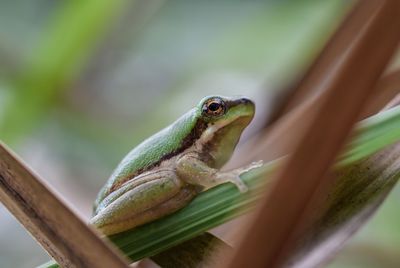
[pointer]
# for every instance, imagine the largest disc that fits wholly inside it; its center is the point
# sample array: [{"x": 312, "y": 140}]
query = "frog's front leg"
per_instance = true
[
  {"x": 143, "y": 199},
  {"x": 193, "y": 170}
]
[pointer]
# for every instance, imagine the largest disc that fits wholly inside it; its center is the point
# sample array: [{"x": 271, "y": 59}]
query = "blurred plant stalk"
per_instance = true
[
  {"x": 68, "y": 43},
  {"x": 50, "y": 221}
]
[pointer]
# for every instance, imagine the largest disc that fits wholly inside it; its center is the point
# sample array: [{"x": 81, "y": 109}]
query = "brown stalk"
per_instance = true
[
  {"x": 331, "y": 56},
  {"x": 306, "y": 98},
  {"x": 64, "y": 236},
  {"x": 287, "y": 210},
  {"x": 304, "y": 101}
]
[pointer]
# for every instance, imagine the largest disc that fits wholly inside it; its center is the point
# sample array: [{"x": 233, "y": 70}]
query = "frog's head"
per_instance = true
[{"x": 226, "y": 119}]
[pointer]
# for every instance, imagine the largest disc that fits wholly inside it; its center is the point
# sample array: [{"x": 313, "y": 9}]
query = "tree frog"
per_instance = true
[{"x": 166, "y": 171}]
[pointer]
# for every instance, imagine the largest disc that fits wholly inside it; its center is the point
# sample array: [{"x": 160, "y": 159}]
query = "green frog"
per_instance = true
[{"x": 166, "y": 171}]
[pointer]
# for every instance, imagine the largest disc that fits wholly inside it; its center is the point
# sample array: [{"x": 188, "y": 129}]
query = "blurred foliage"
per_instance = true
[
  {"x": 58, "y": 56},
  {"x": 83, "y": 82}
]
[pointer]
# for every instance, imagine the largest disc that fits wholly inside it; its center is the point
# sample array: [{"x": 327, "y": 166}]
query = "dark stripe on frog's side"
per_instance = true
[{"x": 186, "y": 143}]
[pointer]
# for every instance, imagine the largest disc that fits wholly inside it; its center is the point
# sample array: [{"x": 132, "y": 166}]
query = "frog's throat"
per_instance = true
[
  {"x": 209, "y": 133},
  {"x": 217, "y": 143}
]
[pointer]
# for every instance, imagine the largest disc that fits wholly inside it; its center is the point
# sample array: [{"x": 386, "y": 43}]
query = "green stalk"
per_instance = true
[{"x": 371, "y": 135}]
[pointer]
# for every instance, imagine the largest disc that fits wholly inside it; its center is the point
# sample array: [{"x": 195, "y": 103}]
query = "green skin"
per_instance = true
[{"x": 165, "y": 172}]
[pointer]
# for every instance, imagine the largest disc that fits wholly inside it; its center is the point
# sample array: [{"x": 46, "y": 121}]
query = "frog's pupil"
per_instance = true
[{"x": 214, "y": 106}]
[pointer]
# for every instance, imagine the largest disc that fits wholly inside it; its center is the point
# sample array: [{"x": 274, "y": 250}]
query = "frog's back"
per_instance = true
[{"x": 151, "y": 152}]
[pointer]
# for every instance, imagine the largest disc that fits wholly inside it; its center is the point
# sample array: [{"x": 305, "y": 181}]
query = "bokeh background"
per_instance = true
[{"x": 82, "y": 82}]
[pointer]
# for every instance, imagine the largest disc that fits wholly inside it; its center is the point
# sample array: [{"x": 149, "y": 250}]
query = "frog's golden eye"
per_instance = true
[{"x": 214, "y": 107}]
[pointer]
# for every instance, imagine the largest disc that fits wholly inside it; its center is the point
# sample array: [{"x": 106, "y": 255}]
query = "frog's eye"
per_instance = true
[{"x": 214, "y": 107}]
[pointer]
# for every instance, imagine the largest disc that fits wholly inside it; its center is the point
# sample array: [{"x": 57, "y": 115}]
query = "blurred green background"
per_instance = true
[{"x": 82, "y": 82}]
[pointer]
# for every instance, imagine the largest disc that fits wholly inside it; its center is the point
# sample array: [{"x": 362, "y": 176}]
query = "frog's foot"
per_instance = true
[
  {"x": 233, "y": 176},
  {"x": 191, "y": 169}
]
